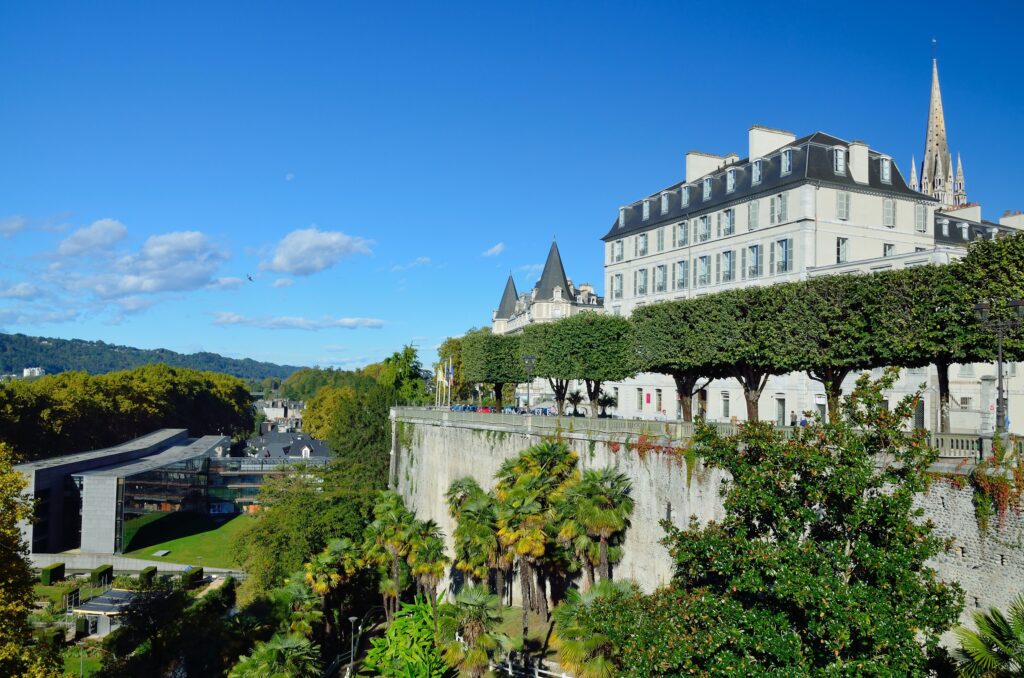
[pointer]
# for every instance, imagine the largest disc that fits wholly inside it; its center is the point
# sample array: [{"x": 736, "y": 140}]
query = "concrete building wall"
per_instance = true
[
  {"x": 427, "y": 456},
  {"x": 99, "y": 513}
]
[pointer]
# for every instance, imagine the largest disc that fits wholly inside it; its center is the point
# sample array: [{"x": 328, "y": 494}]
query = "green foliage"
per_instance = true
[
  {"x": 280, "y": 657},
  {"x": 97, "y": 357},
  {"x": 493, "y": 359},
  {"x": 387, "y": 542},
  {"x": 580, "y": 650},
  {"x": 996, "y": 649},
  {"x": 466, "y": 631},
  {"x": 819, "y": 566},
  {"x": 51, "y": 574},
  {"x": 407, "y": 649},
  {"x": 103, "y": 574},
  {"x": 74, "y": 411},
  {"x": 190, "y": 579},
  {"x": 147, "y": 576},
  {"x": 451, "y": 348},
  {"x": 304, "y": 383}
]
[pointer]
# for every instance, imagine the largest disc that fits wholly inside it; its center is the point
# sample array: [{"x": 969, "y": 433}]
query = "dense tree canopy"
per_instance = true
[
  {"x": 493, "y": 359},
  {"x": 75, "y": 411}
]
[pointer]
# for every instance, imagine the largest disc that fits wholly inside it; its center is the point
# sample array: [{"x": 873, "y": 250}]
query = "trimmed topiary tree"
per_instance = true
[{"x": 51, "y": 574}]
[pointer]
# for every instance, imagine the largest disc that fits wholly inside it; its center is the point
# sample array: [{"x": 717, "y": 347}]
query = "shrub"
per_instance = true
[
  {"x": 191, "y": 578},
  {"x": 104, "y": 574},
  {"x": 147, "y": 576},
  {"x": 51, "y": 574}
]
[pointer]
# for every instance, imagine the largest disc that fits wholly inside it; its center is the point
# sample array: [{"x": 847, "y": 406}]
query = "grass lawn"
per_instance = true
[
  {"x": 537, "y": 634},
  {"x": 55, "y": 594},
  {"x": 88, "y": 662},
  {"x": 191, "y": 538}
]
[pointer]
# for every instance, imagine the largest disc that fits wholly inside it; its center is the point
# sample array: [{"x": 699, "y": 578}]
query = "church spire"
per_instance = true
[
  {"x": 934, "y": 169},
  {"x": 959, "y": 188},
  {"x": 913, "y": 173}
]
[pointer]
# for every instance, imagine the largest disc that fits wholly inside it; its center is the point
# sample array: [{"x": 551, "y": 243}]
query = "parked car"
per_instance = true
[{"x": 485, "y": 410}]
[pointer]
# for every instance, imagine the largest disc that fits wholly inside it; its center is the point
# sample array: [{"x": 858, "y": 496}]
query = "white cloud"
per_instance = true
[
  {"x": 295, "y": 322},
  {"x": 11, "y": 225},
  {"x": 531, "y": 271},
  {"x": 135, "y": 304},
  {"x": 289, "y": 176},
  {"x": 283, "y": 282},
  {"x": 97, "y": 236},
  {"x": 310, "y": 250},
  {"x": 418, "y": 261},
  {"x": 22, "y": 290},
  {"x": 495, "y": 251},
  {"x": 28, "y": 314},
  {"x": 226, "y": 284}
]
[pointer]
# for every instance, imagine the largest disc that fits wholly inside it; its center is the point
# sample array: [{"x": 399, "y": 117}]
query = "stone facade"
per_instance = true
[{"x": 428, "y": 454}]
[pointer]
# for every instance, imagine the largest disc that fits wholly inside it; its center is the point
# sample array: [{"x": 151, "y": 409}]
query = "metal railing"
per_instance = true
[{"x": 509, "y": 669}]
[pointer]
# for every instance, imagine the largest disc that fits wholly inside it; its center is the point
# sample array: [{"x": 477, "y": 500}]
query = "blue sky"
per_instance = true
[{"x": 378, "y": 169}]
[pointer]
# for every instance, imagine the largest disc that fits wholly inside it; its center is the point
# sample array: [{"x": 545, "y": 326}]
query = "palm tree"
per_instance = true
[
  {"x": 325, "y": 573},
  {"x": 580, "y": 650},
  {"x": 996, "y": 649},
  {"x": 574, "y": 398},
  {"x": 466, "y": 635},
  {"x": 478, "y": 550},
  {"x": 427, "y": 559},
  {"x": 573, "y": 535},
  {"x": 280, "y": 657},
  {"x": 603, "y": 506},
  {"x": 304, "y": 611},
  {"x": 605, "y": 401},
  {"x": 387, "y": 542}
]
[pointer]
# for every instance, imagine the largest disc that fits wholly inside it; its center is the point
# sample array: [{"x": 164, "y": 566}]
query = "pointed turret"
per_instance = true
[
  {"x": 507, "y": 307},
  {"x": 553, "y": 276},
  {"x": 913, "y": 173},
  {"x": 937, "y": 166},
  {"x": 960, "y": 187}
]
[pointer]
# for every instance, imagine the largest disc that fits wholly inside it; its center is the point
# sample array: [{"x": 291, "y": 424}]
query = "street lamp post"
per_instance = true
[
  {"x": 983, "y": 312},
  {"x": 352, "y": 643},
  {"x": 530, "y": 362}
]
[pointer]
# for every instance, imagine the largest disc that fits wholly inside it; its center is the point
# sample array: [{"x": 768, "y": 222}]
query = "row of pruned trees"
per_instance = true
[{"x": 828, "y": 327}]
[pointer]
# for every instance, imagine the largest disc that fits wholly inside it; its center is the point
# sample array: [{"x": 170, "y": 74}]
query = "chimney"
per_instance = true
[
  {"x": 764, "y": 140},
  {"x": 858, "y": 161},
  {"x": 700, "y": 164},
  {"x": 1014, "y": 220}
]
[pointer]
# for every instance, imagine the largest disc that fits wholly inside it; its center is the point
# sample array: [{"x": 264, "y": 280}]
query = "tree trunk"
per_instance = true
[
  {"x": 753, "y": 382},
  {"x": 943, "y": 368},
  {"x": 606, "y": 573},
  {"x": 524, "y": 587},
  {"x": 541, "y": 597},
  {"x": 396, "y": 578},
  {"x": 687, "y": 386},
  {"x": 560, "y": 387},
  {"x": 593, "y": 393},
  {"x": 499, "y": 585},
  {"x": 498, "y": 386},
  {"x": 832, "y": 379},
  {"x": 588, "y": 574}
]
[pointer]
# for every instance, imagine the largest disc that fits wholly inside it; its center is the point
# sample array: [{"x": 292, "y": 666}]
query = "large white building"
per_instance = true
[{"x": 792, "y": 209}]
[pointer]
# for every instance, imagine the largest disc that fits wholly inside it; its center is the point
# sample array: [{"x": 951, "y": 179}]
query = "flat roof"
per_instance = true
[
  {"x": 198, "y": 447},
  {"x": 110, "y": 604},
  {"x": 163, "y": 436}
]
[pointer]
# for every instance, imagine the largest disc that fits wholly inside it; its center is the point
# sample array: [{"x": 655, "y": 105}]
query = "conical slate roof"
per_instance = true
[
  {"x": 507, "y": 307},
  {"x": 553, "y": 276}
]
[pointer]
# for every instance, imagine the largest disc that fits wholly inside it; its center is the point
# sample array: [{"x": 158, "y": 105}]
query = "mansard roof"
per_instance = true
[
  {"x": 507, "y": 306},
  {"x": 812, "y": 163},
  {"x": 553, "y": 276}
]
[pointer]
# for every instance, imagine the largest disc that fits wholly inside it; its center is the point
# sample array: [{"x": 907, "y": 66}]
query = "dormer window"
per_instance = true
[
  {"x": 755, "y": 172},
  {"x": 787, "y": 161},
  {"x": 664, "y": 203},
  {"x": 647, "y": 210},
  {"x": 945, "y": 227},
  {"x": 730, "y": 181},
  {"x": 839, "y": 160},
  {"x": 707, "y": 188},
  {"x": 885, "y": 170},
  {"x": 622, "y": 217},
  {"x": 684, "y": 196}
]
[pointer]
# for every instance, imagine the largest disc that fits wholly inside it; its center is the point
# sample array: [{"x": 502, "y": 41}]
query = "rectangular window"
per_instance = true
[
  {"x": 684, "y": 196},
  {"x": 661, "y": 278},
  {"x": 920, "y": 218},
  {"x": 640, "y": 399},
  {"x": 616, "y": 310},
  {"x": 945, "y": 228},
  {"x": 704, "y": 229},
  {"x": 682, "y": 234},
  {"x": 841, "y": 250},
  {"x": 647, "y": 210},
  {"x": 682, "y": 273},
  {"x": 842, "y": 205},
  {"x": 777, "y": 206},
  {"x": 728, "y": 221},
  {"x": 703, "y": 270},
  {"x": 889, "y": 213},
  {"x": 664, "y": 203},
  {"x": 839, "y": 162},
  {"x": 725, "y": 405},
  {"x": 730, "y": 181},
  {"x": 661, "y": 239},
  {"x": 641, "y": 282},
  {"x": 728, "y": 266},
  {"x": 641, "y": 245},
  {"x": 754, "y": 264},
  {"x": 787, "y": 161},
  {"x": 886, "y": 171},
  {"x": 755, "y": 172},
  {"x": 657, "y": 399},
  {"x": 753, "y": 214},
  {"x": 965, "y": 402},
  {"x": 618, "y": 249},
  {"x": 617, "y": 286},
  {"x": 888, "y": 249},
  {"x": 782, "y": 256},
  {"x": 707, "y": 188}
]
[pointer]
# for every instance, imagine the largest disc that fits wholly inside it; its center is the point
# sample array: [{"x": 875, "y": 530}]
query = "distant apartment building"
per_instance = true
[
  {"x": 32, "y": 372},
  {"x": 281, "y": 415}
]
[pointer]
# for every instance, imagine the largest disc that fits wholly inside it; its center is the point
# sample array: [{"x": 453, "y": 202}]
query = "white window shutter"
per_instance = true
[
  {"x": 789, "y": 257},
  {"x": 782, "y": 207},
  {"x": 743, "y": 263},
  {"x": 771, "y": 211},
  {"x": 771, "y": 259}
]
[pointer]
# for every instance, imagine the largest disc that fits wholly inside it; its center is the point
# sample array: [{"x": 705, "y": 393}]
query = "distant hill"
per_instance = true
[{"x": 18, "y": 351}]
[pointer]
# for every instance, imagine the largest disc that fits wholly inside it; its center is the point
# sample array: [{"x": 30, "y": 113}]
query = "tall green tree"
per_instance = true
[
  {"x": 427, "y": 560},
  {"x": 600, "y": 350},
  {"x": 388, "y": 541},
  {"x": 552, "y": 353},
  {"x": 580, "y": 649},
  {"x": 467, "y": 635},
  {"x": 602, "y": 504},
  {"x": 493, "y": 359},
  {"x": 280, "y": 657}
]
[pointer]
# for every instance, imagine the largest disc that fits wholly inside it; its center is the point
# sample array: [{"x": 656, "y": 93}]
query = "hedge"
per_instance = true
[
  {"x": 51, "y": 574},
  {"x": 103, "y": 574},
  {"x": 191, "y": 578},
  {"x": 147, "y": 575}
]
